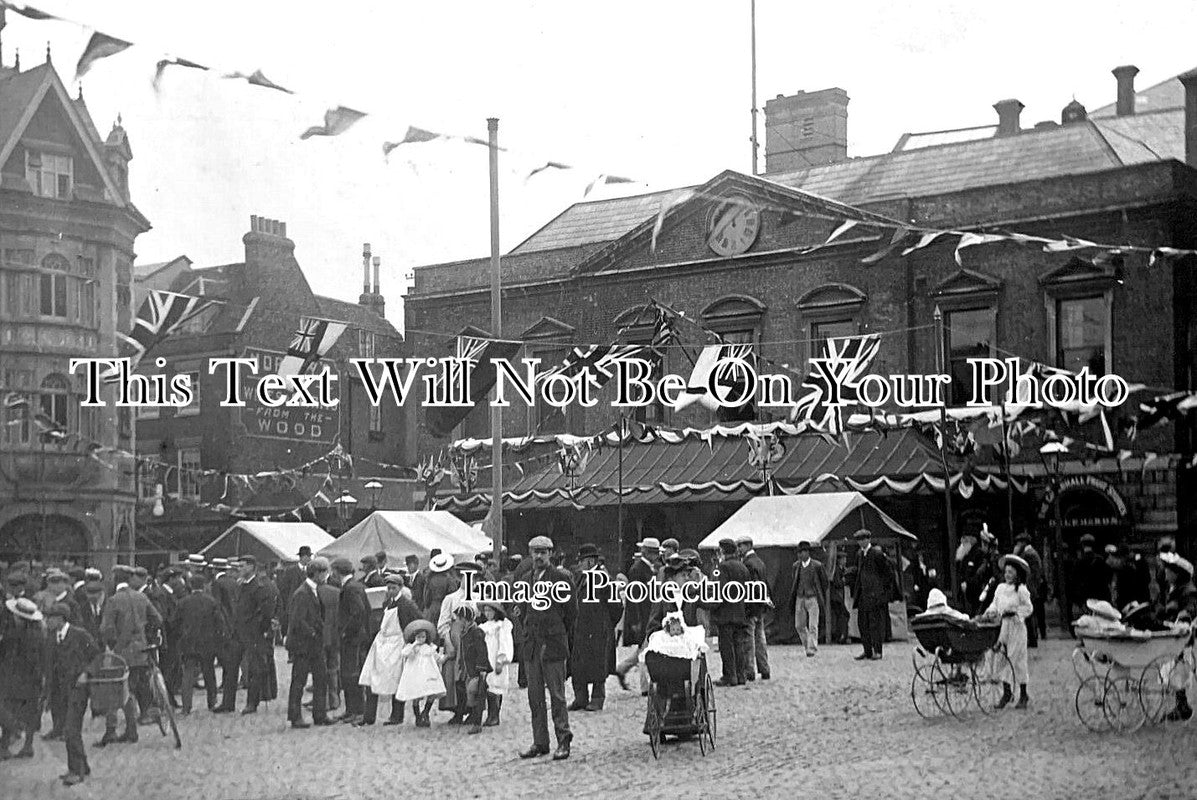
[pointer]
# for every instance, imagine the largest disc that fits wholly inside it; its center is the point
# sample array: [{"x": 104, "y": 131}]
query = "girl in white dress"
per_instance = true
[
  {"x": 1012, "y": 603},
  {"x": 421, "y": 677},
  {"x": 499, "y": 647}
]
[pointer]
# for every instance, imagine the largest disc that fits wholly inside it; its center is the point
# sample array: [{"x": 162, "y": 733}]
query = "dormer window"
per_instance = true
[{"x": 50, "y": 174}]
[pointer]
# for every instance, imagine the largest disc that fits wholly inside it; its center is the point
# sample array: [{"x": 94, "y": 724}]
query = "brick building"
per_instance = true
[
  {"x": 67, "y": 232},
  {"x": 1123, "y": 175},
  {"x": 259, "y": 304}
]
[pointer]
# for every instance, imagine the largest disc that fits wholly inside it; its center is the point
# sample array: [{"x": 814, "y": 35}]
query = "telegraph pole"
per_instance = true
[{"x": 496, "y": 326}]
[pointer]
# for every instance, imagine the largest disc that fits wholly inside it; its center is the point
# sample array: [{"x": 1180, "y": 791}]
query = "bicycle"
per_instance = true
[{"x": 160, "y": 698}]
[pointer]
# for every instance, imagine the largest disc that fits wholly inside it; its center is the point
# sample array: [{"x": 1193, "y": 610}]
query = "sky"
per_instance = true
[{"x": 656, "y": 91}]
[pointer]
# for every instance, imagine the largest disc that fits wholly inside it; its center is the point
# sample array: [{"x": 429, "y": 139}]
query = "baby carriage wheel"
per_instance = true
[
  {"x": 1082, "y": 663},
  {"x": 1157, "y": 695},
  {"x": 926, "y": 684},
  {"x": 655, "y": 721},
  {"x": 708, "y": 687},
  {"x": 1123, "y": 706},
  {"x": 1091, "y": 698},
  {"x": 992, "y": 676},
  {"x": 958, "y": 688}
]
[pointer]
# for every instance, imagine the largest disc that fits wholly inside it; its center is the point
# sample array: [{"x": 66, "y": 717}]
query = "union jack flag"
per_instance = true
[
  {"x": 160, "y": 315},
  {"x": 597, "y": 360},
  {"x": 312, "y": 341},
  {"x": 837, "y": 383}
]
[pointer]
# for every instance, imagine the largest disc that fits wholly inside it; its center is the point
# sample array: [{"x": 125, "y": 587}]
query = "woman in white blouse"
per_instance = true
[{"x": 1012, "y": 603}]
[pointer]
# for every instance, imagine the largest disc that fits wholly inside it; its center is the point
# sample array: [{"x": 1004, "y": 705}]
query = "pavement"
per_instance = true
[{"x": 827, "y": 727}]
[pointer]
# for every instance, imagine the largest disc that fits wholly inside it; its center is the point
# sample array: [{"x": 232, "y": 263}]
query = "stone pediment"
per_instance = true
[
  {"x": 549, "y": 328},
  {"x": 831, "y": 296},
  {"x": 1105, "y": 269},
  {"x": 966, "y": 282}
]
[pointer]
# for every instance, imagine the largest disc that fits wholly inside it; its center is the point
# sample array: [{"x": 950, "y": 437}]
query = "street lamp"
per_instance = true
[
  {"x": 158, "y": 509},
  {"x": 375, "y": 486},
  {"x": 346, "y": 503},
  {"x": 1050, "y": 454}
]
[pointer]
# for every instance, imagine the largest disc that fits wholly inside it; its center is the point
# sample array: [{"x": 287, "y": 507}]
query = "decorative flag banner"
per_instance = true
[
  {"x": 442, "y": 420},
  {"x": 313, "y": 339},
  {"x": 546, "y": 166},
  {"x": 668, "y": 202},
  {"x": 416, "y": 135},
  {"x": 697, "y": 387},
  {"x": 29, "y": 12},
  {"x": 173, "y": 62},
  {"x": 257, "y": 79},
  {"x": 605, "y": 179},
  {"x": 1067, "y": 243},
  {"x": 846, "y": 362},
  {"x": 841, "y": 230},
  {"x": 101, "y": 45},
  {"x": 896, "y": 240},
  {"x": 924, "y": 240},
  {"x": 973, "y": 239},
  {"x": 161, "y": 313},
  {"x": 596, "y": 359},
  {"x": 336, "y": 121}
]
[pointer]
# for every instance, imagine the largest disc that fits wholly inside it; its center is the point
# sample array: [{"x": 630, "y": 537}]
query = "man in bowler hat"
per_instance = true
[{"x": 875, "y": 587}]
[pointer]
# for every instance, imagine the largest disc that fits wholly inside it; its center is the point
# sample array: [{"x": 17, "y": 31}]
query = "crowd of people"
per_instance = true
[{"x": 409, "y": 634}]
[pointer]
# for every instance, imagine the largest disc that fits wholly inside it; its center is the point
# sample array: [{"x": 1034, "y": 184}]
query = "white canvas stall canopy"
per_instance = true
[
  {"x": 267, "y": 541},
  {"x": 777, "y": 524},
  {"x": 404, "y": 533}
]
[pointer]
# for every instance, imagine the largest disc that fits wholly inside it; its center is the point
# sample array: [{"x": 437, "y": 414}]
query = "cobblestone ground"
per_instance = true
[{"x": 823, "y": 727}]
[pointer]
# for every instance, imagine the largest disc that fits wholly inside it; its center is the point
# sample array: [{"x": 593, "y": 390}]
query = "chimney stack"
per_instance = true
[
  {"x": 807, "y": 129},
  {"x": 366, "y": 269},
  {"x": 377, "y": 263},
  {"x": 1125, "y": 76},
  {"x": 1008, "y": 112},
  {"x": 1189, "y": 80}
]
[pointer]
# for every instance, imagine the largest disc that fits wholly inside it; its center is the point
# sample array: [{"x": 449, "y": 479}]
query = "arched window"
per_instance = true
[
  {"x": 56, "y": 400},
  {"x": 737, "y": 319},
  {"x": 54, "y": 285}
]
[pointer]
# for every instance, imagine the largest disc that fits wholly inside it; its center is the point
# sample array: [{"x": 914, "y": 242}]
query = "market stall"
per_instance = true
[
  {"x": 267, "y": 541},
  {"x": 404, "y": 533}
]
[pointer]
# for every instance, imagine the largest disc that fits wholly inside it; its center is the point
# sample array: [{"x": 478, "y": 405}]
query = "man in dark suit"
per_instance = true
[
  {"x": 253, "y": 623},
  {"x": 875, "y": 588},
  {"x": 290, "y": 578},
  {"x": 203, "y": 635},
  {"x": 58, "y": 590},
  {"x": 329, "y": 593},
  {"x": 353, "y": 623},
  {"x": 305, "y": 643},
  {"x": 91, "y": 610},
  {"x": 756, "y": 611},
  {"x": 419, "y": 579},
  {"x": 224, "y": 591},
  {"x": 592, "y": 651},
  {"x": 72, "y": 650},
  {"x": 547, "y": 635},
  {"x": 731, "y": 618},
  {"x": 123, "y": 627},
  {"x": 635, "y": 615}
]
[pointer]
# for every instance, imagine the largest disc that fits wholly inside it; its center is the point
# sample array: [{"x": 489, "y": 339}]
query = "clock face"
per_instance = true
[{"x": 733, "y": 227}]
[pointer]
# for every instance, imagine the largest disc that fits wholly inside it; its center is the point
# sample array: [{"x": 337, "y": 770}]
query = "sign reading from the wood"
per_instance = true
[{"x": 316, "y": 424}]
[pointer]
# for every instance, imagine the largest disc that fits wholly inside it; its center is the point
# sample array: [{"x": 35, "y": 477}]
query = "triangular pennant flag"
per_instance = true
[
  {"x": 898, "y": 237},
  {"x": 668, "y": 202},
  {"x": 336, "y": 121},
  {"x": 841, "y": 230},
  {"x": 1067, "y": 243},
  {"x": 603, "y": 180},
  {"x": 29, "y": 12},
  {"x": 257, "y": 79},
  {"x": 924, "y": 240},
  {"x": 974, "y": 239},
  {"x": 101, "y": 45},
  {"x": 697, "y": 387},
  {"x": 546, "y": 166},
  {"x": 173, "y": 62}
]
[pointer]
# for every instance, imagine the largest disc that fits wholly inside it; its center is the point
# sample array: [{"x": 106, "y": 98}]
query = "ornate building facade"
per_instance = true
[{"x": 67, "y": 232}]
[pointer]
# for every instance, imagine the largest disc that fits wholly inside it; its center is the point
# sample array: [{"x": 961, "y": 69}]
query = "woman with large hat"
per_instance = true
[
  {"x": 22, "y": 664},
  {"x": 1179, "y": 603},
  {"x": 1012, "y": 604}
]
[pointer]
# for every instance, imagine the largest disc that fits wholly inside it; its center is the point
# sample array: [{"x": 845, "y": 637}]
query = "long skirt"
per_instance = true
[{"x": 1014, "y": 637}]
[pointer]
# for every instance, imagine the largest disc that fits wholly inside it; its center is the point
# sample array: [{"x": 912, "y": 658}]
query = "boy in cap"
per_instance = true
[
  {"x": 72, "y": 651},
  {"x": 810, "y": 587}
]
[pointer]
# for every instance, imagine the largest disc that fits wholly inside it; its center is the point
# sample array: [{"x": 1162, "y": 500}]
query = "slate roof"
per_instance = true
[
  {"x": 357, "y": 316},
  {"x": 16, "y": 93},
  {"x": 518, "y": 267},
  {"x": 1168, "y": 93}
]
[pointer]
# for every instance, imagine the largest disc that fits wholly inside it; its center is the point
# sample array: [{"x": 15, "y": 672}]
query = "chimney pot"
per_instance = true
[
  {"x": 1189, "y": 80},
  {"x": 1008, "y": 112},
  {"x": 377, "y": 263},
  {"x": 1125, "y": 75},
  {"x": 253, "y": 223},
  {"x": 282, "y": 226}
]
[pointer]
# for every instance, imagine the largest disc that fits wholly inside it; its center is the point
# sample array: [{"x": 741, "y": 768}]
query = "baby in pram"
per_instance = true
[{"x": 673, "y": 656}]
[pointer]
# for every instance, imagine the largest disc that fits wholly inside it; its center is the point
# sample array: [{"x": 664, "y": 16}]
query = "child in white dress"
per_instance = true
[
  {"x": 1012, "y": 604},
  {"x": 499, "y": 647},
  {"x": 421, "y": 677}
]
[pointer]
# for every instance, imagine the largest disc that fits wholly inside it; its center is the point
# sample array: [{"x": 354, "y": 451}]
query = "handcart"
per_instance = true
[
  {"x": 1130, "y": 679},
  {"x": 681, "y": 701},
  {"x": 957, "y": 664}
]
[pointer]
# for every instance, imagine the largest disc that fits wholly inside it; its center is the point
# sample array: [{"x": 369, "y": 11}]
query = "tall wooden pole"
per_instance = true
[
  {"x": 755, "y": 143},
  {"x": 619, "y": 495},
  {"x": 940, "y": 361},
  {"x": 496, "y": 326},
  {"x": 1009, "y": 479}
]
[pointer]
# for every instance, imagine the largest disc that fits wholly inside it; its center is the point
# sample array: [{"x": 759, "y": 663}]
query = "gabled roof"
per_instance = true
[
  {"x": 143, "y": 272},
  {"x": 357, "y": 316},
  {"x": 22, "y": 94}
]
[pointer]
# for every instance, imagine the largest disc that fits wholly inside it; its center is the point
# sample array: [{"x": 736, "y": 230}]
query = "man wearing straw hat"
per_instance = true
[{"x": 22, "y": 660}]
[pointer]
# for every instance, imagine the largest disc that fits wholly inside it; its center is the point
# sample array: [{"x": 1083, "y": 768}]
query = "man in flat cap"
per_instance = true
[
  {"x": 371, "y": 575},
  {"x": 123, "y": 628},
  {"x": 547, "y": 637},
  {"x": 731, "y": 618},
  {"x": 305, "y": 643},
  {"x": 756, "y": 611},
  {"x": 71, "y": 652},
  {"x": 875, "y": 588},
  {"x": 253, "y": 627},
  {"x": 810, "y": 587}
]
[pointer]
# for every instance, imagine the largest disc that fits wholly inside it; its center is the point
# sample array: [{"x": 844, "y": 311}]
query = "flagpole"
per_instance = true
[
  {"x": 755, "y": 144},
  {"x": 1009, "y": 479},
  {"x": 619, "y": 495},
  {"x": 496, "y": 325},
  {"x": 940, "y": 358}
]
